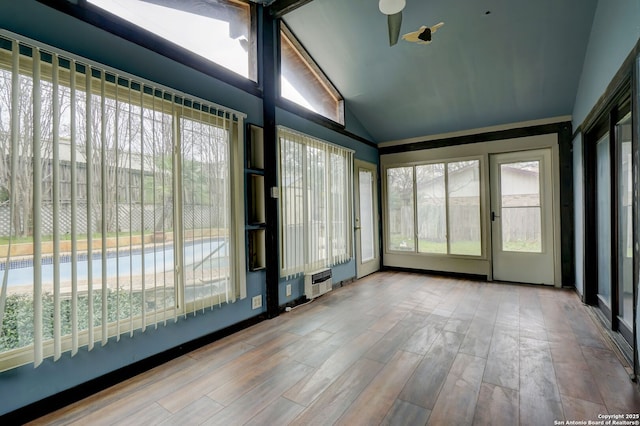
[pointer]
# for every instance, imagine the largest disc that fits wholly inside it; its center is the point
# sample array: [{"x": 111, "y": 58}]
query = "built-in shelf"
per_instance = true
[
  {"x": 256, "y": 214},
  {"x": 255, "y": 188},
  {"x": 257, "y": 255},
  {"x": 255, "y": 147}
]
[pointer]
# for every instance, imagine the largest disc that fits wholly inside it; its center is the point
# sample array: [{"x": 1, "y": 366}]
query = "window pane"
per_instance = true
[
  {"x": 338, "y": 207},
  {"x": 367, "y": 232},
  {"x": 315, "y": 203},
  {"x": 521, "y": 211},
  {"x": 205, "y": 180},
  {"x": 218, "y": 31},
  {"x": 292, "y": 202},
  {"x": 464, "y": 207},
  {"x": 625, "y": 221},
  {"x": 302, "y": 81},
  {"x": 401, "y": 207},
  {"x": 104, "y": 175},
  {"x": 432, "y": 211},
  {"x": 603, "y": 215}
]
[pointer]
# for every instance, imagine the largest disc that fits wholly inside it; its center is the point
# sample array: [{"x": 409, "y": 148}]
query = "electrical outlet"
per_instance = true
[
  {"x": 288, "y": 290},
  {"x": 256, "y": 302}
]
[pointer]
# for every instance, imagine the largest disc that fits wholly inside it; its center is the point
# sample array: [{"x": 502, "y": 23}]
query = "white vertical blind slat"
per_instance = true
[
  {"x": 89, "y": 197},
  {"x": 74, "y": 209},
  {"x": 154, "y": 204},
  {"x": 37, "y": 212},
  {"x": 117, "y": 172},
  {"x": 56, "y": 211},
  {"x": 237, "y": 189},
  {"x": 131, "y": 178},
  {"x": 142, "y": 214},
  {"x": 103, "y": 210},
  {"x": 14, "y": 126}
]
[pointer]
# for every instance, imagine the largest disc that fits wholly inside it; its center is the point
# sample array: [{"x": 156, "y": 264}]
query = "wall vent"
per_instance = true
[{"x": 317, "y": 283}]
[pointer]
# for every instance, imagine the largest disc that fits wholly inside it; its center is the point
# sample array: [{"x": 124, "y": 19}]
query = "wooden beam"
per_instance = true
[{"x": 279, "y": 8}]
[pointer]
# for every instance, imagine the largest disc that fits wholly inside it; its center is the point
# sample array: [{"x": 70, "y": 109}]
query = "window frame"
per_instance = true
[
  {"x": 301, "y": 211},
  {"x": 481, "y": 209},
  {"x": 100, "y": 18},
  {"x": 179, "y": 106}
]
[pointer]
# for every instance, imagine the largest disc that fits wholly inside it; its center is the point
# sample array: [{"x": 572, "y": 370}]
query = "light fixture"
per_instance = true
[{"x": 391, "y": 7}]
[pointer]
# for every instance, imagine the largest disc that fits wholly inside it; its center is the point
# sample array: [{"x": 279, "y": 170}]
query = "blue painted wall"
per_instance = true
[
  {"x": 615, "y": 31},
  {"x": 24, "y": 385}
]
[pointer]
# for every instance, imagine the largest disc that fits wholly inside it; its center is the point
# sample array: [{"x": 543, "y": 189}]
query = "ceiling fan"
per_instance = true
[
  {"x": 423, "y": 35},
  {"x": 393, "y": 10}
]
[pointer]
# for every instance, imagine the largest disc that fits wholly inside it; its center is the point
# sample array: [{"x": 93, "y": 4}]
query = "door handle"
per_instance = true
[
  {"x": 356, "y": 228},
  {"x": 494, "y": 216}
]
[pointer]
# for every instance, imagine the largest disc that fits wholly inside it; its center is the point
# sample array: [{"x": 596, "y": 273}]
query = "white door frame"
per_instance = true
[{"x": 372, "y": 265}]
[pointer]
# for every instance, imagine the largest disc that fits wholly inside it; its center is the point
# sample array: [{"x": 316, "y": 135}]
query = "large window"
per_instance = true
[
  {"x": 116, "y": 205},
  {"x": 315, "y": 203},
  {"x": 220, "y": 31},
  {"x": 303, "y": 82},
  {"x": 434, "y": 208}
]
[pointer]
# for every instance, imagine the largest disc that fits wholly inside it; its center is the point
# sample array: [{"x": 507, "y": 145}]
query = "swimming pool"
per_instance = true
[{"x": 207, "y": 253}]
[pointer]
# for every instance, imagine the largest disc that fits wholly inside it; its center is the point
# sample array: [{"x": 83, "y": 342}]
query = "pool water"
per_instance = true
[{"x": 202, "y": 254}]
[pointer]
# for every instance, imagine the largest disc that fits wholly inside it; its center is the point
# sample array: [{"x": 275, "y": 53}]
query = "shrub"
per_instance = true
[{"x": 17, "y": 326}]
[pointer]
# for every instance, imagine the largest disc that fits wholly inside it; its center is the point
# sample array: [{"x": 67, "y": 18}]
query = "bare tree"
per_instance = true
[{"x": 22, "y": 191}]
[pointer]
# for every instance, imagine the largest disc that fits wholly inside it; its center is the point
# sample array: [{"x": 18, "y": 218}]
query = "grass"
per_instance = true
[
  {"x": 527, "y": 246},
  {"x": 465, "y": 248}
]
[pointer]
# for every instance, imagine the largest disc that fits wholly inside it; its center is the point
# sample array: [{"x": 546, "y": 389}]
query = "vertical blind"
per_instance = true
[
  {"x": 315, "y": 203},
  {"x": 117, "y": 202}
]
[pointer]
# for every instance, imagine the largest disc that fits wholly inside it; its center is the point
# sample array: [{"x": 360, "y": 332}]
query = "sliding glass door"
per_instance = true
[
  {"x": 609, "y": 232},
  {"x": 624, "y": 168}
]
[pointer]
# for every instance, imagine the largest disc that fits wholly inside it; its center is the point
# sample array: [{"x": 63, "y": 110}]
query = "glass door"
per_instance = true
[
  {"x": 366, "y": 209},
  {"x": 603, "y": 222},
  {"x": 522, "y": 217},
  {"x": 624, "y": 288},
  {"x": 609, "y": 234}
]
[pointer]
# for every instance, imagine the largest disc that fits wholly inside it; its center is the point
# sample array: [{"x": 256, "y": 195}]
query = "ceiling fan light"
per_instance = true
[{"x": 391, "y": 7}]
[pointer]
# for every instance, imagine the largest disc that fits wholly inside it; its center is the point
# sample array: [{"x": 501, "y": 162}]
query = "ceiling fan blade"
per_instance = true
[{"x": 395, "y": 22}]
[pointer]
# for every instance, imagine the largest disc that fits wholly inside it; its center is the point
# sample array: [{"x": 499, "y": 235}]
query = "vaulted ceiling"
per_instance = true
[{"x": 494, "y": 62}]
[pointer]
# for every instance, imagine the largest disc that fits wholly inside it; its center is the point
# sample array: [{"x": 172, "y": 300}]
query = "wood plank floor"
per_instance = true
[{"x": 393, "y": 348}]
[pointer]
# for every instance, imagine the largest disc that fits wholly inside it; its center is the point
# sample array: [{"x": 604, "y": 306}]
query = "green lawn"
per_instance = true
[{"x": 466, "y": 248}]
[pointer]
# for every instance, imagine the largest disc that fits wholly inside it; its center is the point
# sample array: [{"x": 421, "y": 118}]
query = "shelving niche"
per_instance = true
[{"x": 256, "y": 216}]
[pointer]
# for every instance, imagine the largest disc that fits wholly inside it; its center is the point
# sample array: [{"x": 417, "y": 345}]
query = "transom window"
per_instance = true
[
  {"x": 219, "y": 31},
  {"x": 303, "y": 82}
]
